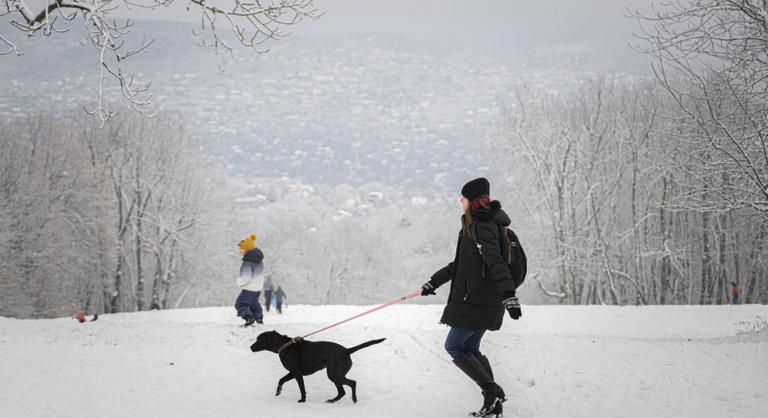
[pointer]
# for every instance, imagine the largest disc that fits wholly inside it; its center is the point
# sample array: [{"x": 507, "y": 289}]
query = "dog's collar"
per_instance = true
[{"x": 291, "y": 341}]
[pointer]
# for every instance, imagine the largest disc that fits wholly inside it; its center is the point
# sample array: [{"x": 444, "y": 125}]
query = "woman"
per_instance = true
[
  {"x": 481, "y": 287},
  {"x": 268, "y": 288},
  {"x": 735, "y": 293},
  {"x": 280, "y": 295},
  {"x": 251, "y": 281}
]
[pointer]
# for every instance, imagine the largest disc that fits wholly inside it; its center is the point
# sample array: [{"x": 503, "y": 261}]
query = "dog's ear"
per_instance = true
[{"x": 279, "y": 337}]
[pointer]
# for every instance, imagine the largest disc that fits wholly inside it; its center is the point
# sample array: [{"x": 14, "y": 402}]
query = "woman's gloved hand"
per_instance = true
[
  {"x": 512, "y": 305},
  {"x": 428, "y": 289}
]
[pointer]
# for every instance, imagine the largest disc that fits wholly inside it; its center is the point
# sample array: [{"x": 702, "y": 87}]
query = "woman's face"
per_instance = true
[
  {"x": 464, "y": 203},
  {"x": 242, "y": 251}
]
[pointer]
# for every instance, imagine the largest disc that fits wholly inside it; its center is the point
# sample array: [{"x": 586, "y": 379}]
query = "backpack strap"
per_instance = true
[
  {"x": 473, "y": 235},
  {"x": 506, "y": 243},
  {"x": 502, "y": 238},
  {"x": 504, "y": 250}
]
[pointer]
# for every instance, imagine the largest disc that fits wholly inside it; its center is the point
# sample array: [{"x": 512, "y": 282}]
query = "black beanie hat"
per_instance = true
[{"x": 476, "y": 188}]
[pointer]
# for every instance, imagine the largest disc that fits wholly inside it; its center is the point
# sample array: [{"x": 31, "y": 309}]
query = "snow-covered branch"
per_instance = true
[
  {"x": 12, "y": 49},
  {"x": 251, "y": 23}
]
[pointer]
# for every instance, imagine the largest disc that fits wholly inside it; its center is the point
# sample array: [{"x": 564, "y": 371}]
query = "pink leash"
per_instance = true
[{"x": 390, "y": 303}]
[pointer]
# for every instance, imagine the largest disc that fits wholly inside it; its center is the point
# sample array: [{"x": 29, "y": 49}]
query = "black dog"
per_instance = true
[{"x": 302, "y": 358}]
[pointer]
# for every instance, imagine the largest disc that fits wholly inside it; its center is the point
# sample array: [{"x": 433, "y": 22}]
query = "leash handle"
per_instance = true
[{"x": 390, "y": 303}]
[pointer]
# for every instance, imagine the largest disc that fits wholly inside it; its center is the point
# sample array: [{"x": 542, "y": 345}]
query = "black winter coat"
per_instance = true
[{"x": 477, "y": 282}]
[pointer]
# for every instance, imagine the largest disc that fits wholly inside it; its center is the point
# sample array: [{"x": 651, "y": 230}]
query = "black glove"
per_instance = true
[
  {"x": 428, "y": 289},
  {"x": 513, "y": 307}
]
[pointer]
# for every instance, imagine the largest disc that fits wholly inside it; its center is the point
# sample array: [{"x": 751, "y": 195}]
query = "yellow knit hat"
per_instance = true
[{"x": 248, "y": 244}]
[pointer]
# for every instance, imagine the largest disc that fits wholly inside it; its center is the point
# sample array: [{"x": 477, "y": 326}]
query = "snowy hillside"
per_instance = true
[
  {"x": 325, "y": 111},
  {"x": 558, "y": 361}
]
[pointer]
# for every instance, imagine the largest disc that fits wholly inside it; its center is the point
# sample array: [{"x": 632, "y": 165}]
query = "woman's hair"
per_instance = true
[{"x": 481, "y": 202}]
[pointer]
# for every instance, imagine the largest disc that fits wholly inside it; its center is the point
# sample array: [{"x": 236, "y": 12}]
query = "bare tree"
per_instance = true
[
  {"x": 102, "y": 220},
  {"x": 656, "y": 194},
  {"x": 609, "y": 166},
  {"x": 251, "y": 23},
  {"x": 48, "y": 206},
  {"x": 573, "y": 145},
  {"x": 711, "y": 60}
]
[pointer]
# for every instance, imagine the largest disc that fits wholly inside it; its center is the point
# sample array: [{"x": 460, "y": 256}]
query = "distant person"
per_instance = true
[
  {"x": 251, "y": 281},
  {"x": 268, "y": 288},
  {"x": 735, "y": 294},
  {"x": 280, "y": 295},
  {"x": 481, "y": 288}
]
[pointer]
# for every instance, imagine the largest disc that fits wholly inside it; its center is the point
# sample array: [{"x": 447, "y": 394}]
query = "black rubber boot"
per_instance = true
[
  {"x": 487, "y": 365},
  {"x": 471, "y": 366}
]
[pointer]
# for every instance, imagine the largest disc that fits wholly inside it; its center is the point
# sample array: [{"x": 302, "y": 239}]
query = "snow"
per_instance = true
[{"x": 557, "y": 361}]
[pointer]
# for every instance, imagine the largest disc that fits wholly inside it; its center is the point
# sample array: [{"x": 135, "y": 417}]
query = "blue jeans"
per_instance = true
[
  {"x": 462, "y": 340},
  {"x": 247, "y": 304}
]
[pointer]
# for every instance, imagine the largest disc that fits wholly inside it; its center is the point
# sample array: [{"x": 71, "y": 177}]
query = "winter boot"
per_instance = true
[
  {"x": 487, "y": 366},
  {"x": 497, "y": 410},
  {"x": 471, "y": 366},
  {"x": 259, "y": 320},
  {"x": 249, "y": 320}
]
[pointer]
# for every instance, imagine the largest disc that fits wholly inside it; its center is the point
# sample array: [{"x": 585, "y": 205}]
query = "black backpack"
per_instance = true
[{"x": 510, "y": 246}]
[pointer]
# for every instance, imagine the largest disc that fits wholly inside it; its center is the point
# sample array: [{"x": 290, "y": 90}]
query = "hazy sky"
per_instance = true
[{"x": 453, "y": 20}]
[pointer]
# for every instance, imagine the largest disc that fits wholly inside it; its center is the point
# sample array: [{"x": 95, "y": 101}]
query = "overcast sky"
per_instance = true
[{"x": 454, "y": 20}]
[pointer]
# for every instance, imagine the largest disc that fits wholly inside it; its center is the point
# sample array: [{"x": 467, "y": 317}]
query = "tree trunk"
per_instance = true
[
  {"x": 170, "y": 270},
  {"x": 141, "y": 205},
  {"x": 666, "y": 267},
  {"x": 139, "y": 269},
  {"x": 116, "y": 295},
  {"x": 736, "y": 242},
  {"x": 751, "y": 293},
  {"x": 706, "y": 296},
  {"x": 157, "y": 280},
  {"x": 721, "y": 289}
]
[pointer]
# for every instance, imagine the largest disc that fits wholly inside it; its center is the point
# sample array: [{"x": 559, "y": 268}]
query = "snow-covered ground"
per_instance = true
[{"x": 557, "y": 361}]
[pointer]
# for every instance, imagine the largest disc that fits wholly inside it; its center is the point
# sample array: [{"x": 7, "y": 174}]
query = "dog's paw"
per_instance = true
[
  {"x": 354, "y": 399},
  {"x": 279, "y": 391},
  {"x": 302, "y": 400},
  {"x": 330, "y": 401}
]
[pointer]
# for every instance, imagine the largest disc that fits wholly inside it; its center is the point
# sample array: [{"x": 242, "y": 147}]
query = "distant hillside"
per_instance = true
[{"x": 330, "y": 111}]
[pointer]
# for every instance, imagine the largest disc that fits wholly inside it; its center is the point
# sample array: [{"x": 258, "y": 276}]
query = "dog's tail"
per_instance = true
[{"x": 363, "y": 345}]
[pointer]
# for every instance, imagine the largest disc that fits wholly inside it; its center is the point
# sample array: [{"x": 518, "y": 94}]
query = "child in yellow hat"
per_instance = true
[{"x": 251, "y": 281}]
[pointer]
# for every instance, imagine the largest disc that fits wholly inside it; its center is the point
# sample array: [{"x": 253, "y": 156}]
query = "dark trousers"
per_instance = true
[
  {"x": 462, "y": 340},
  {"x": 268, "y": 298},
  {"x": 247, "y": 304},
  {"x": 279, "y": 306}
]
